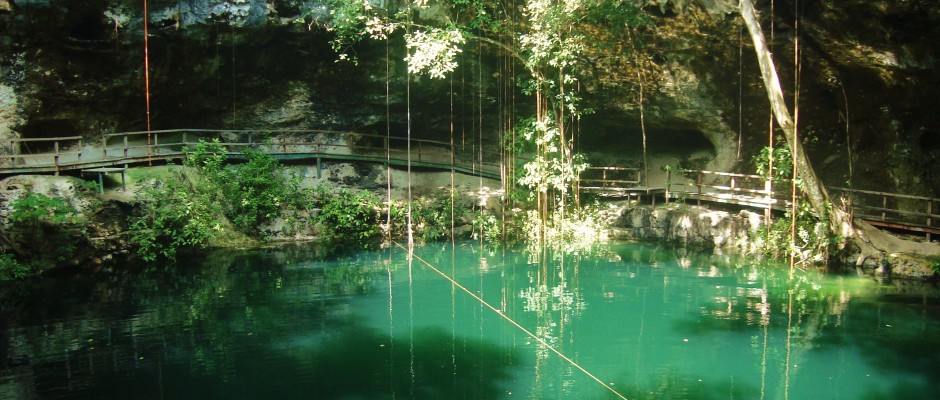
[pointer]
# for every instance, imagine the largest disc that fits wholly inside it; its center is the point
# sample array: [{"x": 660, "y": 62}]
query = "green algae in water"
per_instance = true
[{"x": 651, "y": 323}]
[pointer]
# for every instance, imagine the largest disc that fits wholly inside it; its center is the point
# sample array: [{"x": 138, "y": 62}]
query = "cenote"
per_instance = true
[{"x": 649, "y": 322}]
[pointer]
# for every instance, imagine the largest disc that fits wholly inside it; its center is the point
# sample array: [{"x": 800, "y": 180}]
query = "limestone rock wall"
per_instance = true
[
  {"x": 93, "y": 233},
  {"x": 688, "y": 226}
]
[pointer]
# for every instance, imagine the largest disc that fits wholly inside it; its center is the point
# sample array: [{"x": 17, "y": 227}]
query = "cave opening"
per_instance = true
[
  {"x": 91, "y": 28},
  {"x": 623, "y": 147}
]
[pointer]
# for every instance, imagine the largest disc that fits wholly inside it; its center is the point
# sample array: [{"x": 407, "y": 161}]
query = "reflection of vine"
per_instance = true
[{"x": 555, "y": 306}]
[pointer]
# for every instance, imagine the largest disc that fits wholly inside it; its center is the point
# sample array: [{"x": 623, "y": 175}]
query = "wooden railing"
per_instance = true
[
  {"x": 886, "y": 210},
  {"x": 32, "y": 155},
  {"x": 724, "y": 187},
  {"x": 65, "y": 153},
  {"x": 892, "y": 210},
  {"x": 609, "y": 178}
]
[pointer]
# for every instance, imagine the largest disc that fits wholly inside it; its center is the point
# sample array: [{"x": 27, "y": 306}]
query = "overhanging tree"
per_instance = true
[
  {"x": 870, "y": 241},
  {"x": 546, "y": 37}
]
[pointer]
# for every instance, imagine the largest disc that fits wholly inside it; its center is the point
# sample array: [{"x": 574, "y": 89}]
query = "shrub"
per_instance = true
[
  {"x": 813, "y": 241},
  {"x": 431, "y": 217},
  {"x": 50, "y": 225},
  {"x": 348, "y": 220},
  {"x": 256, "y": 191},
  {"x": 487, "y": 227},
  {"x": 11, "y": 269},
  {"x": 175, "y": 215}
]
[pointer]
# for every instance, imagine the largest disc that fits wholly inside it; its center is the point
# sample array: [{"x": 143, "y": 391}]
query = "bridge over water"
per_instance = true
[{"x": 117, "y": 151}]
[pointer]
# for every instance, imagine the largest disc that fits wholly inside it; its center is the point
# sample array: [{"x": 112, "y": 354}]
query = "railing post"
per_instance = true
[
  {"x": 125, "y": 145},
  {"x": 104, "y": 147},
  {"x": 884, "y": 206},
  {"x": 55, "y": 145},
  {"x": 156, "y": 141},
  {"x": 732, "y": 187},
  {"x": 929, "y": 218},
  {"x": 80, "y": 148},
  {"x": 768, "y": 188},
  {"x": 698, "y": 183},
  {"x": 668, "y": 184}
]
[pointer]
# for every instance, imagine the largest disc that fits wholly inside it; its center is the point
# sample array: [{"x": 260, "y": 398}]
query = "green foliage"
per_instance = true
[
  {"x": 479, "y": 15},
  {"x": 11, "y": 269},
  {"x": 573, "y": 231},
  {"x": 175, "y": 214},
  {"x": 433, "y": 51},
  {"x": 257, "y": 191},
  {"x": 51, "y": 226},
  {"x": 550, "y": 169},
  {"x": 486, "y": 226},
  {"x": 185, "y": 211},
  {"x": 431, "y": 216},
  {"x": 250, "y": 193},
  {"x": 347, "y": 219},
  {"x": 34, "y": 209},
  {"x": 782, "y": 163},
  {"x": 813, "y": 242},
  {"x": 207, "y": 157}
]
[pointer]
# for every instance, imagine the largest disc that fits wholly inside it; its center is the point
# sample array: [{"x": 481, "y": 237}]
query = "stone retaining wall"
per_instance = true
[{"x": 687, "y": 225}]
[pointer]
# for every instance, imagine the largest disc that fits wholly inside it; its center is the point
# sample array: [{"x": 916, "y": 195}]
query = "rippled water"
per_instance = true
[{"x": 646, "y": 322}]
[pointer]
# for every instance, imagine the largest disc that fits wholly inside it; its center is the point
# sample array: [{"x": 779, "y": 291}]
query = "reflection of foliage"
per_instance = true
[
  {"x": 550, "y": 298},
  {"x": 205, "y": 328},
  {"x": 818, "y": 314},
  {"x": 542, "y": 299},
  {"x": 670, "y": 385}
]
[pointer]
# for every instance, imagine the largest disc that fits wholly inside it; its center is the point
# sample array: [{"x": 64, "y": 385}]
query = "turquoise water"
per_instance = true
[{"x": 646, "y": 322}]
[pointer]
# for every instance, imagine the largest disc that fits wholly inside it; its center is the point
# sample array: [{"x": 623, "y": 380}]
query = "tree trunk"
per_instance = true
[{"x": 840, "y": 222}]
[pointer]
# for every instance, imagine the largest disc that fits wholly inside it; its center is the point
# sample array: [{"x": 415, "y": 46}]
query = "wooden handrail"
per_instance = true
[
  {"x": 52, "y": 139},
  {"x": 895, "y": 195},
  {"x": 171, "y": 146}
]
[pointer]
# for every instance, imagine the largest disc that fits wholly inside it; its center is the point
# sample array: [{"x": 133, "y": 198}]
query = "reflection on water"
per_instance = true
[{"x": 651, "y": 323}]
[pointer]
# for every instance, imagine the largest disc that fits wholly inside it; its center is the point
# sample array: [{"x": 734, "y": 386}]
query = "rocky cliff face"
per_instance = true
[{"x": 866, "y": 80}]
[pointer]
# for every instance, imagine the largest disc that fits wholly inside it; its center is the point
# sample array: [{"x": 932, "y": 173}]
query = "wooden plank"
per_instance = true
[
  {"x": 896, "y": 211},
  {"x": 902, "y": 226},
  {"x": 894, "y": 195}
]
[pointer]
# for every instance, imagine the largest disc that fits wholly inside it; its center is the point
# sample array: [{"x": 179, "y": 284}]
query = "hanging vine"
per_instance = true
[{"x": 548, "y": 38}]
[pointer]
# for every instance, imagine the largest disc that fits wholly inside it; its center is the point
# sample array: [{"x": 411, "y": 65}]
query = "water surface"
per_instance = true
[{"x": 647, "y": 322}]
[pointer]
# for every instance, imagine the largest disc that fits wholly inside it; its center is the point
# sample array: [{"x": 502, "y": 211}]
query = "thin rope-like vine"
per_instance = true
[
  {"x": 512, "y": 322},
  {"x": 147, "y": 80}
]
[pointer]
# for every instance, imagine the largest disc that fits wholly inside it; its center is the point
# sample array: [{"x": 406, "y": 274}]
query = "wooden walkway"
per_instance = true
[
  {"x": 893, "y": 211},
  {"x": 58, "y": 154},
  {"x": 112, "y": 153}
]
